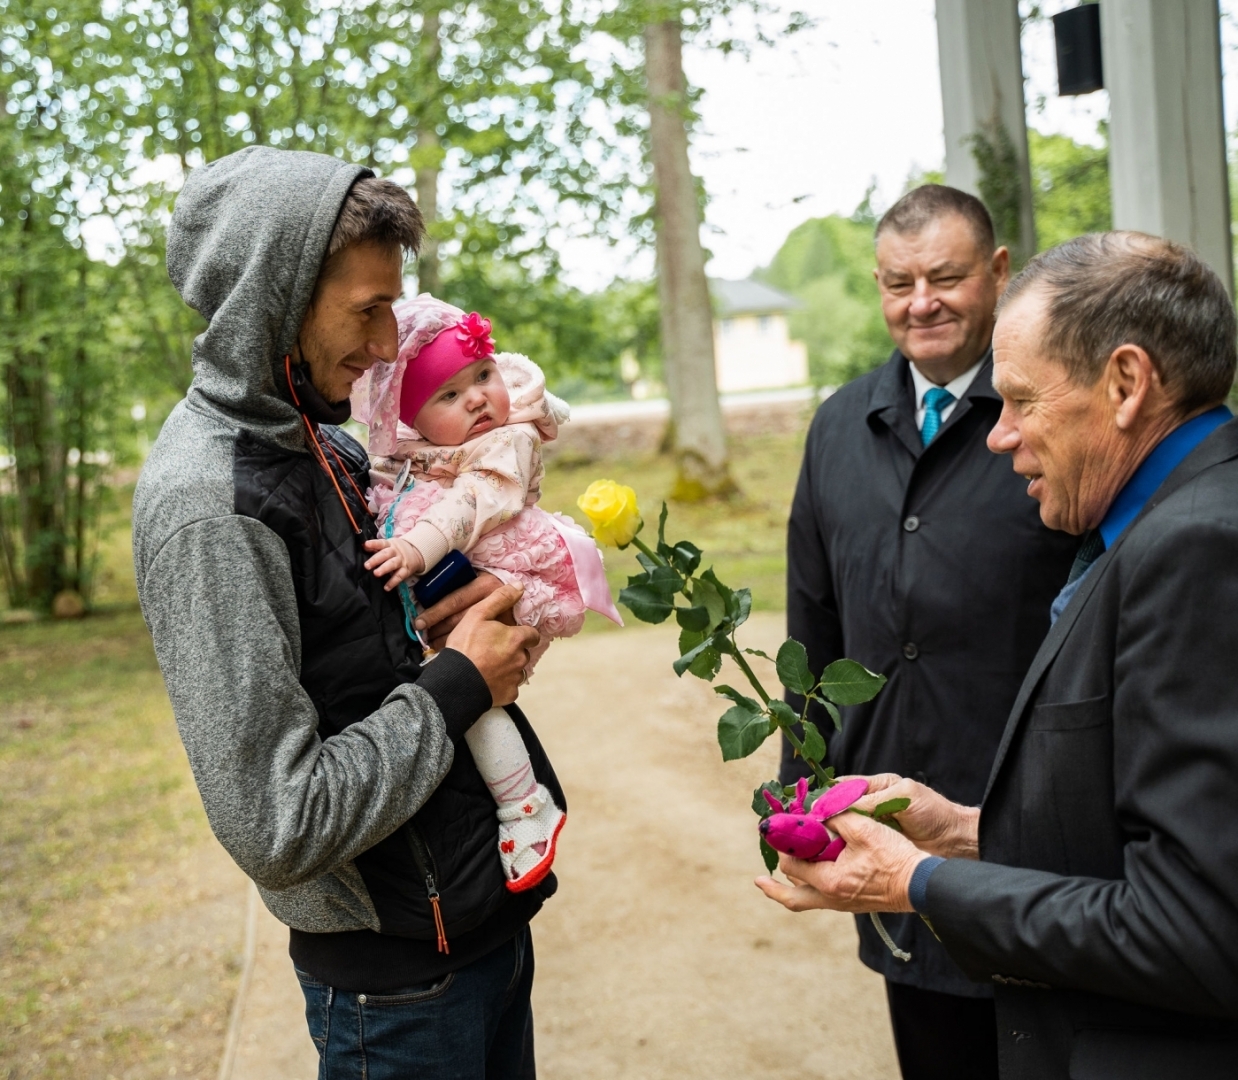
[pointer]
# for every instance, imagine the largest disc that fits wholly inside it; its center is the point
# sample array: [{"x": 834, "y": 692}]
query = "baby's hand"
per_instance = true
[{"x": 396, "y": 557}]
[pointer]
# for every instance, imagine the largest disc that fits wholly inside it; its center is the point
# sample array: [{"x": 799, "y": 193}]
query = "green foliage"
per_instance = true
[
  {"x": 495, "y": 94},
  {"x": 827, "y": 263},
  {"x": 1000, "y": 184},
  {"x": 710, "y": 618},
  {"x": 1070, "y": 187},
  {"x": 576, "y": 337}
]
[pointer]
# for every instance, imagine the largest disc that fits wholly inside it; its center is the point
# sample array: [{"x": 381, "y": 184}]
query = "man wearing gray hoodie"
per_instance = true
[{"x": 328, "y": 759}]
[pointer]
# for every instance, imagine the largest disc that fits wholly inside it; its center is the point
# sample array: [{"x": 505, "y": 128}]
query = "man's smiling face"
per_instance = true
[
  {"x": 939, "y": 288},
  {"x": 350, "y": 326}
]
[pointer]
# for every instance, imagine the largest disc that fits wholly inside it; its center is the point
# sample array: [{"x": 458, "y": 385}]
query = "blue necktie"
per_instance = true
[{"x": 935, "y": 400}]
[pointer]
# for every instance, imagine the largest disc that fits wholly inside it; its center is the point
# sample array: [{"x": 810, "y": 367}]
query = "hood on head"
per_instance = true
[{"x": 248, "y": 236}]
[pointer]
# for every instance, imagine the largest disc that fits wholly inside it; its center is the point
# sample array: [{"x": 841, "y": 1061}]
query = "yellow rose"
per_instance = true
[{"x": 613, "y": 511}]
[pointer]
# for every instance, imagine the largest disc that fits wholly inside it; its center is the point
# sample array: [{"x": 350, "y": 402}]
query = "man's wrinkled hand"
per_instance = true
[
  {"x": 873, "y": 873},
  {"x": 499, "y": 651},
  {"x": 439, "y": 621},
  {"x": 932, "y": 822}
]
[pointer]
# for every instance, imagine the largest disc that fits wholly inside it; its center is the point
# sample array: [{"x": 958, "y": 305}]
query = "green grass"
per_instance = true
[
  {"x": 743, "y": 538},
  {"x": 116, "y": 959}
]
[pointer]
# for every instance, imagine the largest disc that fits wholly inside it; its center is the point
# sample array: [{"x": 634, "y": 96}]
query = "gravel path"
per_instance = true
[{"x": 658, "y": 958}]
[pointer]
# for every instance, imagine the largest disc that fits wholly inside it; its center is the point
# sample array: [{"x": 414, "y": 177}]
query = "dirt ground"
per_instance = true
[{"x": 658, "y": 958}]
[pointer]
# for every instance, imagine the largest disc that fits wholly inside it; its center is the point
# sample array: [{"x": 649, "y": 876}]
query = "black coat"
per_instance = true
[
  {"x": 354, "y": 651},
  {"x": 1106, "y": 907},
  {"x": 932, "y": 567}
]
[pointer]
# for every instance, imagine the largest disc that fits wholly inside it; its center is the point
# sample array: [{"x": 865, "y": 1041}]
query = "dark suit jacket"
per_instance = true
[
  {"x": 1105, "y": 909},
  {"x": 931, "y": 566}
]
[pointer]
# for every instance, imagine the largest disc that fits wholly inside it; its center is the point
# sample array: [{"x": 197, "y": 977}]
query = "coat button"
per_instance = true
[
  {"x": 910, "y": 650},
  {"x": 911, "y": 524},
  {"x": 921, "y": 777}
]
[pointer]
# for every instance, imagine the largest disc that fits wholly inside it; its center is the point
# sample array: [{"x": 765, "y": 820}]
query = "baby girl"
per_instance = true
[{"x": 455, "y": 437}]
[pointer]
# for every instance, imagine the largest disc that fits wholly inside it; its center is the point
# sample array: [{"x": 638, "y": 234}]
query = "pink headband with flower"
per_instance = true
[{"x": 454, "y": 349}]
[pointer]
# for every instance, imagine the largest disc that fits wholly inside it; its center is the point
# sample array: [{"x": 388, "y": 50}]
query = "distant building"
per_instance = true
[{"x": 752, "y": 348}]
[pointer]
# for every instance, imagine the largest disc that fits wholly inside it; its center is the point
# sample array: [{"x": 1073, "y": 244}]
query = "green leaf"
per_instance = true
[
  {"x": 759, "y": 806},
  {"x": 740, "y": 732},
  {"x": 646, "y": 562},
  {"x": 707, "y": 664},
  {"x": 690, "y": 639},
  {"x": 743, "y": 601},
  {"x": 646, "y": 603},
  {"x": 705, "y": 594},
  {"x": 769, "y": 855},
  {"x": 693, "y": 618},
  {"x": 890, "y": 806},
  {"x": 685, "y": 659},
  {"x": 734, "y": 695},
  {"x": 792, "y": 664},
  {"x": 814, "y": 744},
  {"x": 730, "y": 604},
  {"x": 784, "y": 713},
  {"x": 703, "y": 661},
  {"x": 847, "y": 683},
  {"x": 758, "y": 652},
  {"x": 662, "y": 526},
  {"x": 835, "y": 715},
  {"x": 685, "y": 557},
  {"x": 665, "y": 581}
]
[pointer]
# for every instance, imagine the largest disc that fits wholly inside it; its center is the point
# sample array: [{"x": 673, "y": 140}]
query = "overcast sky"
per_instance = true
[{"x": 803, "y": 128}]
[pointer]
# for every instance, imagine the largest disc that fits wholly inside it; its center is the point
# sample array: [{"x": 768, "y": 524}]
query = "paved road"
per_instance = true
[{"x": 658, "y": 958}]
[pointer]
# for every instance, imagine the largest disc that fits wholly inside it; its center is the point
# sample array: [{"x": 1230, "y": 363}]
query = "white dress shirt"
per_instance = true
[{"x": 958, "y": 387}]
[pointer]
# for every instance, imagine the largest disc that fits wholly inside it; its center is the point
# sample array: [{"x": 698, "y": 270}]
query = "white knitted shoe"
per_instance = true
[{"x": 532, "y": 820}]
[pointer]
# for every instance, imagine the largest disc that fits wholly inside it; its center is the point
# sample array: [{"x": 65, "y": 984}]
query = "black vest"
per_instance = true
[{"x": 354, "y": 652}]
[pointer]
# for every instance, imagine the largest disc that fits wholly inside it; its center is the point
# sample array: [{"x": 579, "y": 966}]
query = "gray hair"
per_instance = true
[
  {"x": 1110, "y": 289},
  {"x": 930, "y": 202}
]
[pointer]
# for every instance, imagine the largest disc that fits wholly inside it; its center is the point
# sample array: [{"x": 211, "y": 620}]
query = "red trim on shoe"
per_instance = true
[{"x": 538, "y": 874}]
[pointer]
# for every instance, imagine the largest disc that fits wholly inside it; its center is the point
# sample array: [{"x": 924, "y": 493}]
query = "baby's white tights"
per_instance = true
[
  {"x": 529, "y": 820},
  {"x": 501, "y": 756}
]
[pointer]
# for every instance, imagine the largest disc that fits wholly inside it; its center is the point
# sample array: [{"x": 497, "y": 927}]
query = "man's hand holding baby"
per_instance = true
[{"x": 396, "y": 557}]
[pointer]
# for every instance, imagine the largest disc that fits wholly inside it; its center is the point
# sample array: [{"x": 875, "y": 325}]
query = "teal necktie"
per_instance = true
[{"x": 935, "y": 400}]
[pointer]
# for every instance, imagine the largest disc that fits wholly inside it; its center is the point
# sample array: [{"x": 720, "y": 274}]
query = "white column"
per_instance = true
[
  {"x": 1167, "y": 164},
  {"x": 982, "y": 93}
]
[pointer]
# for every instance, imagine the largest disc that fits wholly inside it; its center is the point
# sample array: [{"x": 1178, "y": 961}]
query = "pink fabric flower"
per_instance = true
[{"x": 473, "y": 333}]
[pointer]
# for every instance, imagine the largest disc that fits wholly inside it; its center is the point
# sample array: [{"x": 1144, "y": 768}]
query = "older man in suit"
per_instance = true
[
  {"x": 1096, "y": 887},
  {"x": 914, "y": 550}
]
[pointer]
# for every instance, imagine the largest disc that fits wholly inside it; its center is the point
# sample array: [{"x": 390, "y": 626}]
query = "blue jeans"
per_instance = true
[{"x": 473, "y": 1024}]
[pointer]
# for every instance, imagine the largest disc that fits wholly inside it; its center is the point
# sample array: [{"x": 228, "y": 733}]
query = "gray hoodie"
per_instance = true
[{"x": 247, "y": 238}]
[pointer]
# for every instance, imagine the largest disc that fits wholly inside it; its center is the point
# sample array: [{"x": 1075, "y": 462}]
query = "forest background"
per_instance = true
[{"x": 504, "y": 116}]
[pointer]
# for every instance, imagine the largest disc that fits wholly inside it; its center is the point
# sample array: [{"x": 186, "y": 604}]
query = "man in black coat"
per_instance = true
[
  {"x": 1097, "y": 886},
  {"x": 914, "y": 550}
]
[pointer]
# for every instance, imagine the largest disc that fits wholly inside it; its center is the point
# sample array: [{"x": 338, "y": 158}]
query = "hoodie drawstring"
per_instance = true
[{"x": 311, "y": 429}]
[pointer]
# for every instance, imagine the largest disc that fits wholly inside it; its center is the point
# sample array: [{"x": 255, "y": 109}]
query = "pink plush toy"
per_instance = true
[{"x": 793, "y": 831}]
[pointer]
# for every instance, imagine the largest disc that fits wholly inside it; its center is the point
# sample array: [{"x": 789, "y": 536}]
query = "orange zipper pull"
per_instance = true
[{"x": 438, "y": 916}]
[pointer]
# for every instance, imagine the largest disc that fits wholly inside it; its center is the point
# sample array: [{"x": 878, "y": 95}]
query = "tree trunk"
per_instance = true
[
  {"x": 429, "y": 158},
  {"x": 34, "y": 473},
  {"x": 699, "y": 440}
]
